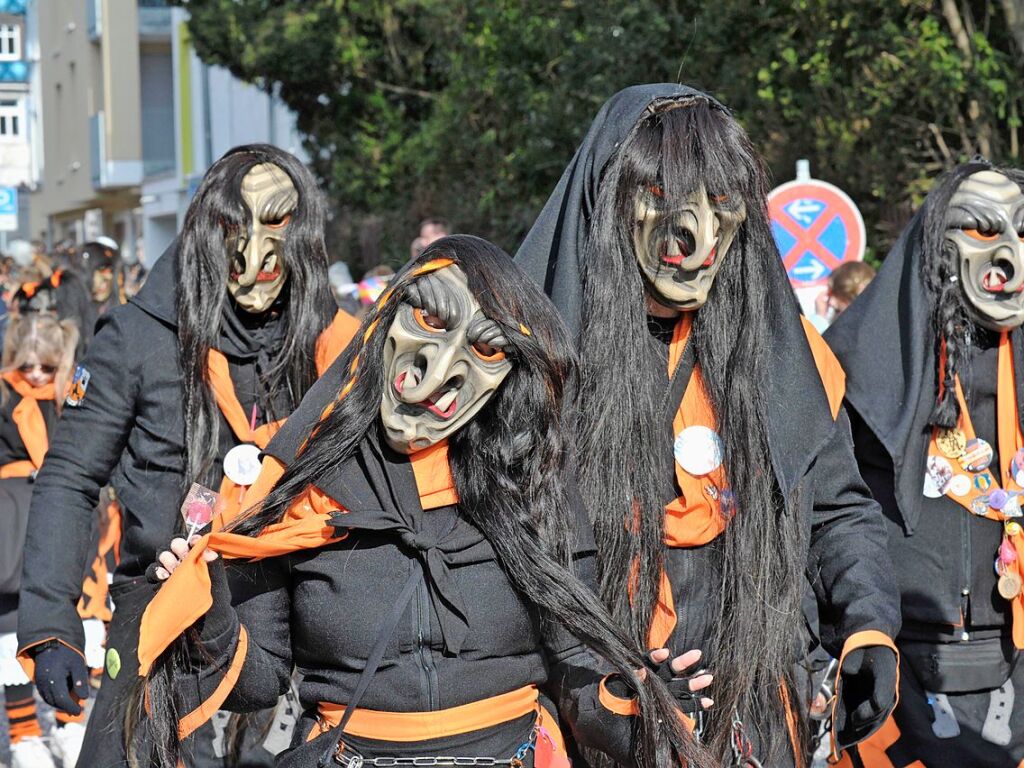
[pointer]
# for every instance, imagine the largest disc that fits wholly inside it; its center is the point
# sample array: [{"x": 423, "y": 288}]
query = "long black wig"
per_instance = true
[
  {"x": 216, "y": 214},
  {"x": 954, "y": 328},
  {"x": 626, "y": 451},
  {"x": 509, "y": 465}
]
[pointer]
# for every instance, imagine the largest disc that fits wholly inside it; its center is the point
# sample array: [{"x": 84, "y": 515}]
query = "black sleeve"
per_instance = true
[
  {"x": 576, "y": 677},
  {"x": 85, "y": 448},
  {"x": 848, "y": 563},
  {"x": 260, "y": 592}
]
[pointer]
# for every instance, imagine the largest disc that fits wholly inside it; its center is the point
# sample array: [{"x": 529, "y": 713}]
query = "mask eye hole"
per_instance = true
[
  {"x": 279, "y": 223},
  {"x": 984, "y": 235},
  {"x": 487, "y": 352},
  {"x": 428, "y": 322}
]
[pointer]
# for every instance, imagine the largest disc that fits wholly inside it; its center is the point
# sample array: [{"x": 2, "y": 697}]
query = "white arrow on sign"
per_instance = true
[
  {"x": 804, "y": 210},
  {"x": 814, "y": 270}
]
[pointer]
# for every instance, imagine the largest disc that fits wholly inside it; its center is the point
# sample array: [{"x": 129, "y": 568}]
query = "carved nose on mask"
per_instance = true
[
  {"x": 253, "y": 256},
  {"x": 429, "y": 373},
  {"x": 1008, "y": 262}
]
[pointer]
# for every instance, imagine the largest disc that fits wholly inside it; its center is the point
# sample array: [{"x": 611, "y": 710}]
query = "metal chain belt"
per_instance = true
[
  {"x": 425, "y": 762},
  {"x": 354, "y": 760}
]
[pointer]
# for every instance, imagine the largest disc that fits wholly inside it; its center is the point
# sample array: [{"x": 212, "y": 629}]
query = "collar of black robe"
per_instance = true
[
  {"x": 799, "y": 418},
  {"x": 377, "y": 487},
  {"x": 886, "y": 344},
  {"x": 240, "y": 338}
]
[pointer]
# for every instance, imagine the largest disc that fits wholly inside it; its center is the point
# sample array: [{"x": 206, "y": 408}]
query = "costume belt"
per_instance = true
[
  {"x": 23, "y": 468},
  {"x": 423, "y": 726}
]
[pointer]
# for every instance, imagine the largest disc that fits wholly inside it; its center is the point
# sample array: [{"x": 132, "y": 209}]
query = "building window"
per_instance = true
[
  {"x": 11, "y": 122},
  {"x": 10, "y": 42}
]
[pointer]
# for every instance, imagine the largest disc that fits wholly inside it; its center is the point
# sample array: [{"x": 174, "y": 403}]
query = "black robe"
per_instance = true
[
  {"x": 128, "y": 432},
  {"x": 810, "y": 451}
]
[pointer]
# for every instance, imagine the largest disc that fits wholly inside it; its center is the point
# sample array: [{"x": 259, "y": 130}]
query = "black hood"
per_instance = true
[
  {"x": 886, "y": 343},
  {"x": 799, "y": 421},
  {"x": 158, "y": 296},
  {"x": 242, "y": 335}
]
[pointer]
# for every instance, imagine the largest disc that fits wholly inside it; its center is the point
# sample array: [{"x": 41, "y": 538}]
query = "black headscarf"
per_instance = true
[
  {"x": 886, "y": 343},
  {"x": 799, "y": 421}
]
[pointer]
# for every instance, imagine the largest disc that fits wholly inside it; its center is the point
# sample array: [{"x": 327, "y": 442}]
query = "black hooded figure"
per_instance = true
[
  {"x": 100, "y": 262},
  {"x": 179, "y": 386},
  {"x": 937, "y": 440},
  {"x": 711, "y": 551},
  {"x": 422, "y": 496}
]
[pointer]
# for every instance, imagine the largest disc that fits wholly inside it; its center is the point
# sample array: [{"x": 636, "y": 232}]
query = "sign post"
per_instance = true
[
  {"x": 816, "y": 227},
  {"x": 8, "y": 209}
]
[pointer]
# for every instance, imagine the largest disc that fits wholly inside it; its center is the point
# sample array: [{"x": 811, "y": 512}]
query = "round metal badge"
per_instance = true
[
  {"x": 242, "y": 464},
  {"x": 998, "y": 498},
  {"x": 960, "y": 485},
  {"x": 698, "y": 450},
  {"x": 937, "y": 477},
  {"x": 977, "y": 455},
  {"x": 1009, "y": 585},
  {"x": 952, "y": 442},
  {"x": 979, "y": 506}
]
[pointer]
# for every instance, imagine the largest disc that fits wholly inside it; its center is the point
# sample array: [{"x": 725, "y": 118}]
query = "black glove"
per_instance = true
[
  {"x": 62, "y": 678},
  {"x": 867, "y": 691},
  {"x": 688, "y": 701},
  {"x": 679, "y": 687}
]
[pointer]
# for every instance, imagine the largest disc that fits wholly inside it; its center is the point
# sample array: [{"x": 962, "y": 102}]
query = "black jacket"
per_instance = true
[
  {"x": 467, "y": 634},
  {"x": 945, "y": 569},
  {"x": 128, "y": 432}
]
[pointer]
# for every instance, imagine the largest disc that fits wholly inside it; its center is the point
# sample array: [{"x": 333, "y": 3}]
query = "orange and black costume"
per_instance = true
[
  {"x": 26, "y": 417},
  {"x": 961, "y": 682},
  {"x": 712, "y": 558},
  {"x": 128, "y": 431},
  {"x": 468, "y": 670}
]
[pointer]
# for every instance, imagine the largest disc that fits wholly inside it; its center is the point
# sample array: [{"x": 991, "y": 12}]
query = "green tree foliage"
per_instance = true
[{"x": 471, "y": 110}]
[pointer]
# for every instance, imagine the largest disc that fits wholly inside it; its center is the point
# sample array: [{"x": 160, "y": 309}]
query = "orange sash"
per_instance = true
[
  {"x": 28, "y": 418},
  {"x": 330, "y": 344},
  {"x": 696, "y": 517},
  {"x": 984, "y": 483},
  {"x": 186, "y": 596}
]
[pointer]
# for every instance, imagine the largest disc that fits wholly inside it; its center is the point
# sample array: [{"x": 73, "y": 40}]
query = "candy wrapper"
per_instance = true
[{"x": 198, "y": 509}]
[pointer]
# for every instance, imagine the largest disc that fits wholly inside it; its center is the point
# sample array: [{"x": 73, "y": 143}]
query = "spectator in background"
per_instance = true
[
  {"x": 845, "y": 284},
  {"x": 372, "y": 286},
  {"x": 430, "y": 230}
]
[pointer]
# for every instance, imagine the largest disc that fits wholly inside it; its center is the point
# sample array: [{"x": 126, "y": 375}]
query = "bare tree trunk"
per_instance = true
[
  {"x": 963, "y": 42},
  {"x": 1013, "y": 10}
]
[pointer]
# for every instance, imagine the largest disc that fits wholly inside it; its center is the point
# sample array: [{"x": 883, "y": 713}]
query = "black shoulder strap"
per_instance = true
[
  {"x": 680, "y": 381},
  {"x": 387, "y": 628}
]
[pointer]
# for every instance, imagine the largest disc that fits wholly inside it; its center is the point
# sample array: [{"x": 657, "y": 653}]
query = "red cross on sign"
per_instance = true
[{"x": 816, "y": 228}]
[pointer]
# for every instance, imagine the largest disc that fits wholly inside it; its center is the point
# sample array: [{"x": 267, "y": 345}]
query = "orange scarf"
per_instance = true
[
  {"x": 186, "y": 596},
  {"x": 332, "y": 341},
  {"x": 985, "y": 482},
  {"x": 28, "y": 418},
  {"x": 697, "y": 517}
]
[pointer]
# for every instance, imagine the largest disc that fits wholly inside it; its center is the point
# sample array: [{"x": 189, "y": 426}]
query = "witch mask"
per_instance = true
[
  {"x": 443, "y": 360},
  {"x": 258, "y": 272},
  {"x": 680, "y": 245},
  {"x": 985, "y": 223}
]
